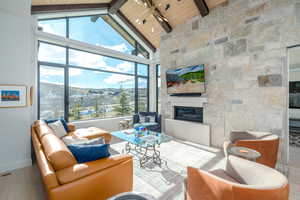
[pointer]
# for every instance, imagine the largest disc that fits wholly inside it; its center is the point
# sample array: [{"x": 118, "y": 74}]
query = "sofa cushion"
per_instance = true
[
  {"x": 82, "y": 170},
  {"x": 42, "y": 129},
  {"x": 87, "y": 153},
  {"x": 71, "y": 139},
  {"x": 58, "y": 128},
  {"x": 92, "y": 133},
  {"x": 57, "y": 152}
]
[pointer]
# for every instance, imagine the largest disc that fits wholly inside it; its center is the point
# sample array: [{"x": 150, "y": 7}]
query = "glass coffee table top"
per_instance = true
[
  {"x": 143, "y": 144},
  {"x": 148, "y": 138}
]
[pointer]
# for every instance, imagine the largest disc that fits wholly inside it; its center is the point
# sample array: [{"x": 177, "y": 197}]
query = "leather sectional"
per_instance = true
[{"x": 65, "y": 179}]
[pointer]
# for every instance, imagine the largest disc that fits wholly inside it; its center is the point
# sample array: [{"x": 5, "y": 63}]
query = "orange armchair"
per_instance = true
[
  {"x": 241, "y": 180},
  {"x": 265, "y": 143}
]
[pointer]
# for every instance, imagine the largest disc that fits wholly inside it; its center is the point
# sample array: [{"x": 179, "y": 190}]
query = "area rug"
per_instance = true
[{"x": 168, "y": 181}]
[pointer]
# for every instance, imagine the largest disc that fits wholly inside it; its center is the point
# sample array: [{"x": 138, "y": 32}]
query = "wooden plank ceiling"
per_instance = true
[{"x": 178, "y": 12}]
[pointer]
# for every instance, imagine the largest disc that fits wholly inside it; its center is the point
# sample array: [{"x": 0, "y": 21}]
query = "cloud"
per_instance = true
[
  {"x": 120, "y": 47},
  {"x": 75, "y": 72},
  {"x": 52, "y": 53},
  {"x": 84, "y": 59},
  {"x": 47, "y": 72},
  {"x": 47, "y": 28},
  {"x": 118, "y": 78}
]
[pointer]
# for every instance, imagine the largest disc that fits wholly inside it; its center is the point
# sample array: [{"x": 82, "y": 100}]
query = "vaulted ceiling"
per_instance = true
[{"x": 172, "y": 12}]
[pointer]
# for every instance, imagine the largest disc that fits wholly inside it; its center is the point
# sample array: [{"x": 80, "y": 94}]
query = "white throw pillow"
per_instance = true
[
  {"x": 68, "y": 140},
  {"x": 58, "y": 128}
]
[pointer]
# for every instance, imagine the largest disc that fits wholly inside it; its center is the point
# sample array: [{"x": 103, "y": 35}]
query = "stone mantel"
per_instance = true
[{"x": 187, "y": 101}]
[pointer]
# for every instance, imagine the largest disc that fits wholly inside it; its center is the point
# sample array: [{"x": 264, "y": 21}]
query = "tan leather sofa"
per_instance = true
[
  {"x": 241, "y": 180},
  {"x": 65, "y": 179},
  {"x": 265, "y": 143}
]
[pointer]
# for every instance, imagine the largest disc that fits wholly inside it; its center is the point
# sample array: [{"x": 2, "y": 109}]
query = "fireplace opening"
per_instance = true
[{"x": 194, "y": 114}]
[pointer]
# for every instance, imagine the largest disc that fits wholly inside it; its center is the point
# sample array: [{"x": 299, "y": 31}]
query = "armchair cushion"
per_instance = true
[
  {"x": 247, "y": 135},
  {"x": 81, "y": 170},
  {"x": 86, "y": 153}
]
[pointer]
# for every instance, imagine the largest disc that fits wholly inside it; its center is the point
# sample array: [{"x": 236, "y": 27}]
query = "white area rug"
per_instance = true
[{"x": 167, "y": 182}]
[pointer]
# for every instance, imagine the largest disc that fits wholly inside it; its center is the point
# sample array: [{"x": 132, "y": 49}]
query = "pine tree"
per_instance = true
[
  {"x": 97, "y": 107},
  {"x": 76, "y": 109},
  {"x": 123, "y": 107}
]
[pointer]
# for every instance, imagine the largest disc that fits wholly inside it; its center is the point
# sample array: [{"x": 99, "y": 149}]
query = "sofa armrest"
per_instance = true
[
  {"x": 71, "y": 127},
  {"x": 203, "y": 185},
  {"x": 78, "y": 171}
]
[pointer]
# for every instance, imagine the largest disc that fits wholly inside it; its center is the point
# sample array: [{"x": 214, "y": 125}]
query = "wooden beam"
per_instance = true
[
  {"x": 135, "y": 30},
  {"x": 67, "y": 7},
  {"x": 158, "y": 16},
  {"x": 162, "y": 21},
  {"x": 202, "y": 7},
  {"x": 115, "y": 5}
]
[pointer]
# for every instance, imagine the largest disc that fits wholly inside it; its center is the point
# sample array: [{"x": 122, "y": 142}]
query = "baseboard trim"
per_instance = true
[{"x": 4, "y": 168}]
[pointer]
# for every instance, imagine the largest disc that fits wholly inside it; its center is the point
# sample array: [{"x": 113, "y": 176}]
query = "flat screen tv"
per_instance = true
[{"x": 186, "y": 81}]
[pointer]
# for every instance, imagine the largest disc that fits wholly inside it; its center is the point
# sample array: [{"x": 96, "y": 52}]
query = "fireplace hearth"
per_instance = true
[{"x": 194, "y": 114}]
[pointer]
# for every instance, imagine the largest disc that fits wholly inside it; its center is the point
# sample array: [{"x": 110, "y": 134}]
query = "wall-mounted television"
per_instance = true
[{"x": 186, "y": 81}]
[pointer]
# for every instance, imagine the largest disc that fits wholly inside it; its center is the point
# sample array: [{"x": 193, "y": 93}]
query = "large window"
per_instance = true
[
  {"x": 158, "y": 84},
  {"x": 51, "y": 93},
  {"x": 98, "y": 30},
  {"x": 79, "y": 85}
]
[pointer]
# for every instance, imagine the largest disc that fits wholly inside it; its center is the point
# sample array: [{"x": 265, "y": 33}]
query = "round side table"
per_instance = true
[
  {"x": 244, "y": 152},
  {"x": 132, "y": 196}
]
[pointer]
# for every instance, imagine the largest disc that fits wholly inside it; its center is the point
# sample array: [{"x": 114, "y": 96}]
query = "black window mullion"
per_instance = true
[
  {"x": 136, "y": 93},
  {"x": 157, "y": 88},
  {"x": 67, "y": 27},
  {"x": 148, "y": 92},
  {"x": 38, "y": 91},
  {"x": 66, "y": 77}
]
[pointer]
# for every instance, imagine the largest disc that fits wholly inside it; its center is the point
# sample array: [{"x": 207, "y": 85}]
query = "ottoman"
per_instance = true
[{"x": 91, "y": 133}]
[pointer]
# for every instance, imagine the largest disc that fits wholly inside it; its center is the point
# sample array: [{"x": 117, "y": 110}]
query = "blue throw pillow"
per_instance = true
[
  {"x": 87, "y": 153},
  {"x": 49, "y": 121}
]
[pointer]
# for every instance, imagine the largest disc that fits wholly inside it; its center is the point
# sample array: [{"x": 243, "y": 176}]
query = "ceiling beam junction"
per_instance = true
[
  {"x": 202, "y": 7},
  {"x": 115, "y": 5}
]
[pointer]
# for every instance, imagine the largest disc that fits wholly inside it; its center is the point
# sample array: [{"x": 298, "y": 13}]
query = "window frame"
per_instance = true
[
  {"x": 158, "y": 76},
  {"x": 66, "y": 68},
  {"x": 135, "y": 47}
]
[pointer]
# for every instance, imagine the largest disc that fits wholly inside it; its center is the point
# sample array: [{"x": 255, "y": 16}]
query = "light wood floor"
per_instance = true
[{"x": 164, "y": 183}]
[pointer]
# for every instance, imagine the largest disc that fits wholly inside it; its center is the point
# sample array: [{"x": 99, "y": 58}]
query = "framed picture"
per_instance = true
[{"x": 12, "y": 96}]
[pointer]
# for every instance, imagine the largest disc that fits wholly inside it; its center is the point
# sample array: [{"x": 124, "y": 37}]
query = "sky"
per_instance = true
[{"x": 98, "y": 33}]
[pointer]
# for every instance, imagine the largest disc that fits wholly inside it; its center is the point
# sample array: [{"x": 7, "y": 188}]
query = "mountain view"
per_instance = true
[{"x": 89, "y": 103}]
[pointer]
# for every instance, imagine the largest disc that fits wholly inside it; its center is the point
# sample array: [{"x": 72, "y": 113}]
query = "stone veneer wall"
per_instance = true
[{"x": 244, "y": 46}]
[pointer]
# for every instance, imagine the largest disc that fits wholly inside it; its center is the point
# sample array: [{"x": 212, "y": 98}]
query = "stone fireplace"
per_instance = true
[{"x": 193, "y": 114}]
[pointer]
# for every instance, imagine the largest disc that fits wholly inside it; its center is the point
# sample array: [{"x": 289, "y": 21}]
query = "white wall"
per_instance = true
[{"x": 16, "y": 67}]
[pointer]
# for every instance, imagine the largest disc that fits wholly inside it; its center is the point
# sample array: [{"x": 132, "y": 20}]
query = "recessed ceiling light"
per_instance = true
[{"x": 167, "y": 7}]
